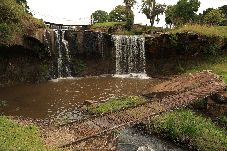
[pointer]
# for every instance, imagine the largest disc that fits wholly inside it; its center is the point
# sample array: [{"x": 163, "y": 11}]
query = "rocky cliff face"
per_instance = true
[
  {"x": 60, "y": 53},
  {"x": 79, "y": 53}
]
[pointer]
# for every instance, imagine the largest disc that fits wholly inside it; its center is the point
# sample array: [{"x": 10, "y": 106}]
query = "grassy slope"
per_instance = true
[
  {"x": 194, "y": 130},
  {"x": 204, "y": 30},
  {"x": 218, "y": 64},
  {"x": 14, "y": 136},
  {"x": 107, "y": 24}
]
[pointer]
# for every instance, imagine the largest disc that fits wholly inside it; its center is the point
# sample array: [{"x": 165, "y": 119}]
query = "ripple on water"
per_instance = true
[{"x": 54, "y": 99}]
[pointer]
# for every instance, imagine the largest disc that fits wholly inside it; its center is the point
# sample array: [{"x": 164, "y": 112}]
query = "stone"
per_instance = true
[
  {"x": 90, "y": 102},
  {"x": 220, "y": 97},
  {"x": 216, "y": 109}
]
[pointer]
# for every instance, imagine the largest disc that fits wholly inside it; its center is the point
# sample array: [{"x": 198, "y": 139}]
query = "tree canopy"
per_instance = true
[
  {"x": 183, "y": 12},
  {"x": 224, "y": 10},
  {"x": 100, "y": 16},
  {"x": 24, "y": 3},
  {"x": 214, "y": 17},
  {"x": 170, "y": 15},
  {"x": 129, "y": 13},
  {"x": 118, "y": 14}
]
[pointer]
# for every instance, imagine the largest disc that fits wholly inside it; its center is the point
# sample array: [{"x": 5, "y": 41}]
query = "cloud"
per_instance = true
[{"x": 79, "y": 11}]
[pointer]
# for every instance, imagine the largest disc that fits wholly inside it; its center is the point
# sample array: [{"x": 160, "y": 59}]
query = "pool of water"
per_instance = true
[
  {"x": 62, "y": 98},
  {"x": 132, "y": 139}
]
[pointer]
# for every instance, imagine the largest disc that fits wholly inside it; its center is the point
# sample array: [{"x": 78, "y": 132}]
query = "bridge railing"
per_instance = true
[{"x": 62, "y": 26}]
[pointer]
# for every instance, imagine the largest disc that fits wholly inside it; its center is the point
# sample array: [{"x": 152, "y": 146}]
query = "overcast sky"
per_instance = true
[{"x": 79, "y": 11}]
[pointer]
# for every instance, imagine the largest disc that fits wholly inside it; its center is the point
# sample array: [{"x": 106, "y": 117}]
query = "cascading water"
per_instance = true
[
  {"x": 130, "y": 55},
  {"x": 65, "y": 44},
  {"x": 63, "y": 57}
]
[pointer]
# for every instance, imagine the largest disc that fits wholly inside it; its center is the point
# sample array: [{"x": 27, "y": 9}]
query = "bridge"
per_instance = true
[
  {"x": 177, "y": 92},
  {"x": 65, "y": 26}
]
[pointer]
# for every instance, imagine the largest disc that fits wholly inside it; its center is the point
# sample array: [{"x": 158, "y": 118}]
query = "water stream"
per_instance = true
[
  {"x": 131, "y": 139},
  {"x": 63, "y": 56}
]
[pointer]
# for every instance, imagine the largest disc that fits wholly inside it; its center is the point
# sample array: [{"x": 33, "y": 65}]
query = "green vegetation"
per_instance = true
[
  {"x": 14, "y": 136},
  {"x": 118, "y": 14},
  {"x": 223, "y": 121},
  {"x": 183, "y": 12},
  {"x": 217, "y": 64},
  {"x": 213, "y": 17},
  {"x": 129, "y": 13},
  {"x": 115, "y": 104},
  {"x": 210, "y": 31},
  {"x": 194, "y": 130},
  {"x": 152, "y": 10},
  {"x": 199, "y": 105},
  {"x": 100, "y": 16},
  {"x": 15, "y": 21},
  {"x": 107, "y": 24}
]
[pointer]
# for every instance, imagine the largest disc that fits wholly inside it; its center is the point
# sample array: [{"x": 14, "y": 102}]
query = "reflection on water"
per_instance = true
[
  {"x": 132, "y": 140},
  {"x": 61, "y": 99}
]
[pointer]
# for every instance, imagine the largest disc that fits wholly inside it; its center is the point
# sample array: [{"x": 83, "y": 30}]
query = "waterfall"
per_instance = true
[
  {"x": 63, "y": 56},
  {"x": 130, "y": 54}
]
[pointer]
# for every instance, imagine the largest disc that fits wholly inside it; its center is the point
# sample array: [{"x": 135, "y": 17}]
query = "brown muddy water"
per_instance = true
[{"x": 61, "y": 99}]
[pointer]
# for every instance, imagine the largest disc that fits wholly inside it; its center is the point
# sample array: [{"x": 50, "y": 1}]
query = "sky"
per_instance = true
[{"x": 79, "y": 11}]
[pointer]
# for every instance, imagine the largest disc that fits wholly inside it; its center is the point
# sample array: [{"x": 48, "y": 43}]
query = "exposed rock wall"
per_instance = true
[
  {"x": 217, "y": 104},
  {"x": 93, "y": 53},
  {"x": 18, "y": 64},
  {"x": 90, "y": 53}
]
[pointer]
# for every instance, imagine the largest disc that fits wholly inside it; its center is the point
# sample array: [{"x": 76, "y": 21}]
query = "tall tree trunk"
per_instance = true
[{"x": 152, "y": 19}]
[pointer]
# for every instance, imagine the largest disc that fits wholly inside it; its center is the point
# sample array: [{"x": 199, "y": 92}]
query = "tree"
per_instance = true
[
  {"x": 24, "y": 3},
  {"x": 100, "y": 16},
  {"x": 152, "y": 9},
  {"x": 183, "y": 12},
  {"x": 118, "y": 14},
  {"x": 129, "y": 13},
  {"x": 214, "y": 17},
  {"x": 224, "y": 10},
  {"x": 170, "y": 15},
  {"x": 10, "y": 11}
]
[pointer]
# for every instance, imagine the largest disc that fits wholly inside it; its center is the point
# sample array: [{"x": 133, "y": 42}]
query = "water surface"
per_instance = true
[{"x": 62, "y": 98}]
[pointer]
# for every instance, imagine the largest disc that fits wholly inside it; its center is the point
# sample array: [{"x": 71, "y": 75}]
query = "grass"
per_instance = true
[
  {"x": 14, "y": 136},
  {"x": 217, "y": 64},
  {"x": 194, "y": 130},
  {"x": 210, "y": 31},
  {"x": 126, "y": 32},
  {"x": 223, "y": 121},
  {"x": 107, "y": 24},
  {"x": 115, "y": 104}
]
